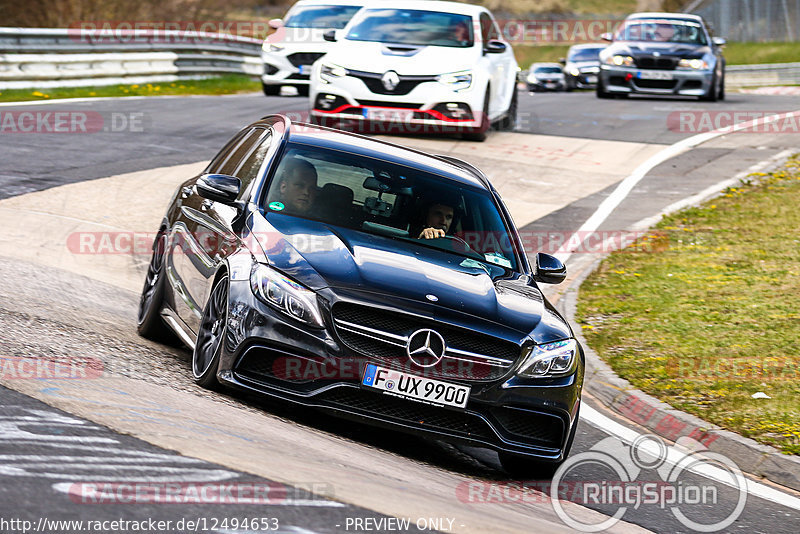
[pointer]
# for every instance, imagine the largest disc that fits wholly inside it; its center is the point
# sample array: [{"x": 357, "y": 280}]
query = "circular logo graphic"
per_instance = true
[
  {"x": 277, "y": 206},
  {"x": 390, "y": 80},
  {"x": 425, "y": 347}
]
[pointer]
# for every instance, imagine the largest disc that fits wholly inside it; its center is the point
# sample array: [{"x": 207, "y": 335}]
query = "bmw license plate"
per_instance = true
[
  {"x": 591, "y": 78},
  {"x": 305, "y": 69},
  {"x": 390, "y": 115},
  {"x": 654, "y": 75},
  {"x": 418, "y": 388}
]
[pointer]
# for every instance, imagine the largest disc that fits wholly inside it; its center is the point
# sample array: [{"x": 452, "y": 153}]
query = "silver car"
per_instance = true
[{"x": 663, "y": 54}]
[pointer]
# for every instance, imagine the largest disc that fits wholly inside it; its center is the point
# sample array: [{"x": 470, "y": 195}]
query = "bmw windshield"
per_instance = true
[
  {"x": 661, "y": 31},
  {"x": 410, "y": 205},
  {"x": 412, "y": 27}
]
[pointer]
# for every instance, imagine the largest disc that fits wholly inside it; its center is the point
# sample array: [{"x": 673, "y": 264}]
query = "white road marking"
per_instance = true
[
  {"x": 626, "y": 186},
  {"x": 628, "y": 435}
]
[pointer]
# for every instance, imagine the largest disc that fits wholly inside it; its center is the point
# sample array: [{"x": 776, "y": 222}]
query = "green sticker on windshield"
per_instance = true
[
  {"x": 277, "y": 206},
  {"x": 497, "y": 259}
]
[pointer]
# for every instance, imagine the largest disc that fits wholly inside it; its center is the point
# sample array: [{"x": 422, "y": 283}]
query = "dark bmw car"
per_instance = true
[
  {"x": 663, "y": 54},
  {"x": 373, "y": 281}
]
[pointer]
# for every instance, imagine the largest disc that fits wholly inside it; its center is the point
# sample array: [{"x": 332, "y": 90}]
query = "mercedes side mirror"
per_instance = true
[
  {"x": 219, "y": 188},
  {"x": 330, "y": 36},
  {"x": 607, "y": 36},
  {"x": 549, "y": 269},
  {"x": 719, "y": 41},
  {"x": 494, "y": 47},
  {"x": 275, "y": 23}
]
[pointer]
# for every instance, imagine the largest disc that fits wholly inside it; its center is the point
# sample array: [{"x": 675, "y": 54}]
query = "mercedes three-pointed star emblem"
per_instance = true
[{"x": 425, "y": 347}]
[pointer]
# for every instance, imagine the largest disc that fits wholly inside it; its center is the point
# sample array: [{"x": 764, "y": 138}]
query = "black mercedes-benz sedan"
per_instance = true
[
  {"x": 370, "y": 280},
  {"x": 662, "y": 54}
]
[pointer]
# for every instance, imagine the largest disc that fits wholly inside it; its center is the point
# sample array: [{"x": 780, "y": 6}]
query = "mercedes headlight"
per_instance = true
[
  {"x": 329, "y": 72},
  {"x": 456, "y": 81},
  {"x": 619, "y": 61},
  {"x": 693, "y": 64},
  {"x": 285, "y": 295},
  {"x": 574, "y": 72},
  {"x": 551, "y": 359}
]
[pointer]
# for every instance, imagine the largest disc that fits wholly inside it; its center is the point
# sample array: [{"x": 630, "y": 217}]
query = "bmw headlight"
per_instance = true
[
  {"x": 285, "y": 295},
  {"x": 551, "y": 359},
  {"x": 693, "y": 64},
  {"x": 456, "y": 81},
  {"x": 329, "y": 72},
  {"x": 619, "y": 61}
]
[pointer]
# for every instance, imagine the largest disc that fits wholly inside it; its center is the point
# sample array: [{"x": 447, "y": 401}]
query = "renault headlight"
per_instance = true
[
  {"x": 285, "y": 295},
  {"x": 329, "y": 72},
  {"x": 269, "y": 47},
  {"x": 693, "y": 64},
  {"x": 574, "y": 72},
  {"x": 619, "y": 61},
  {"x": 456, "y": 81},
  {"x": 551, "y": 359}
]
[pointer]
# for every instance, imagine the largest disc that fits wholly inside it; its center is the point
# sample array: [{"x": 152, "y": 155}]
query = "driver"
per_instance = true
[
  {"x": 437, "y": 220},
  {"x": 298, "y": 186}
]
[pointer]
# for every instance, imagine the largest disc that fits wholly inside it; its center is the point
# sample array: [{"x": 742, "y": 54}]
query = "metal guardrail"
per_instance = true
[
  {"x": 48, "y": 57},
  {"x": 759, "y": 75}
]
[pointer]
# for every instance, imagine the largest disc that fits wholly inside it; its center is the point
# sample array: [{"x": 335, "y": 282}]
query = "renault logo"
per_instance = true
[
  {"x": 390, "y": 80},
  {"x": 425, "y": 347}
]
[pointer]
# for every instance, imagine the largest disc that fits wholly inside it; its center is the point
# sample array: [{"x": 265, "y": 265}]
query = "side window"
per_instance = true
[
  {"x": 222, "y": 155},
  {"x": 489, "y": 29},
  {"x": 248, "y": 171},
  {"x": 238, "y": 153}
]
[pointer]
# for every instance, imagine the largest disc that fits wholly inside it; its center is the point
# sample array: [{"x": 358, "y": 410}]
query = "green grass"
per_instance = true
[
  {"x": 221, "y": 85},
  {"x": 753, "y": 53},
  {"x": 545, "y": 53},
  {"x": 711, "y": 315}
]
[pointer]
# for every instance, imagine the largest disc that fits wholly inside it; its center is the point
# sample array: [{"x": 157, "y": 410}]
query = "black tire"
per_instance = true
[
  {"x": 713, "y": 91},
  {"x": 211, "y": 335},
  {"x": 722, "y": 89},
  {"x": 508, "y": 122},
  {"x": 149, "y": 322},
  {"x": 601, "y": 91},
  {"x": 481, "y": 133},
  {"x": 525, "y": 467},
  {"x": 270, "y": 89},
  {"x": 302, "y": 90}
]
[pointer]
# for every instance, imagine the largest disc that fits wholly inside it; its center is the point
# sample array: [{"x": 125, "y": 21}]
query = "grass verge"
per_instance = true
[
  {"x": 711, "y": 315},
  {"x": 222, "y": 85}
]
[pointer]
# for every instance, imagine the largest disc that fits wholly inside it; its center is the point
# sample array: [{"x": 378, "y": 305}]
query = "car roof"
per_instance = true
[
  {"x": 542, "y": 64},
  {"x": 430, "y": 5},
  {"x": 588, "y": 45},
  {"x": 314, "y": 135},
  {"x": 674, "y": 16},
  {"x": 329, "y": 3}
]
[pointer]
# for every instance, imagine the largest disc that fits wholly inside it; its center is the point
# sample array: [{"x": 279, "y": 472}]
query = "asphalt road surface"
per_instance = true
[{"x": 45, "y": 451}]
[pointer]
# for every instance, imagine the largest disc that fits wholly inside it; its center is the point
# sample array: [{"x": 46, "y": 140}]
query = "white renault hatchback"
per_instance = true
[
  {"x": 420, "y": 67},
  {"x": 297, "y": 43}
]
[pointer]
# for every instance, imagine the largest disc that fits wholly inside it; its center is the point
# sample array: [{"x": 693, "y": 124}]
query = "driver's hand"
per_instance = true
[{"x": 431, "y": 233}]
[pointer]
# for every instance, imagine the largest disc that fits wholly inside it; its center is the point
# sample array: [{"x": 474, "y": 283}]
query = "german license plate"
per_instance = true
[
  {"x": 390, "y": 115},
  {"x": 305, "y": 69},
  {"x": 591, "y": 79},
  {"x": 418, "y": 388},
  {"x": 654, "y": 75}
]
